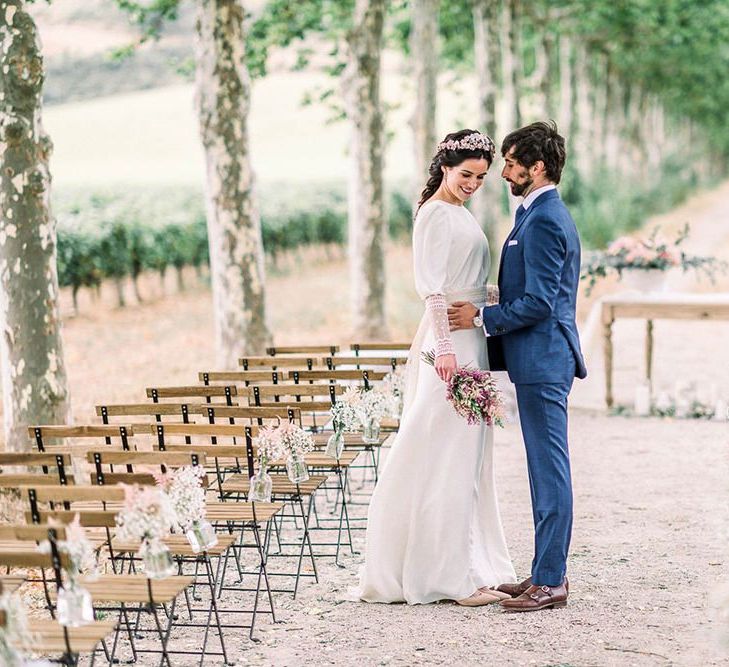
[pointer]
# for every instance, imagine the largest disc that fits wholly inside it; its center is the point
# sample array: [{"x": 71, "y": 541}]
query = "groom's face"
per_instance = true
[{"x": 516, "y": 175}]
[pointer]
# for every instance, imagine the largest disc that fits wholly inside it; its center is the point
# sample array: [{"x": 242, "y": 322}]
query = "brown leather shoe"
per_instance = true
[
  {"x": 515, "y": 590},
  {"x": 539, "y": 597}
]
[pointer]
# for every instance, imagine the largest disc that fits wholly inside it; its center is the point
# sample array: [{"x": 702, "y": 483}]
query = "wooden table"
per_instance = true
[{"x": 675, "y": 306}]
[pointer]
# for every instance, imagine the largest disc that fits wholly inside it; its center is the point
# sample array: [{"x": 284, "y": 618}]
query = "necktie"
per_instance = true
[{"x": 520, "y": 213}]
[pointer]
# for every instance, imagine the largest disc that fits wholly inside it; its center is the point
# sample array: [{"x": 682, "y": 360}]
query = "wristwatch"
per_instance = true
[{"x": 478, "y": 321}]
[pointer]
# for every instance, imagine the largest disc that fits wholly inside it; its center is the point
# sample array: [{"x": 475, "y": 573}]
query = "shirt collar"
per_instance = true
[{"x": 529, "y": 199}]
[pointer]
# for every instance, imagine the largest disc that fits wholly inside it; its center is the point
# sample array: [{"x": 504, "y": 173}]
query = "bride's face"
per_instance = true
[{"x": 464, "y": 179}]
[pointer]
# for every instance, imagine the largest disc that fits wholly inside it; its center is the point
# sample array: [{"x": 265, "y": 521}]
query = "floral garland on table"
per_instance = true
[
  {"x": 186, "y": 494},
  {"x": 653, "y": 252},
  {"x": 147, "y": 515}
]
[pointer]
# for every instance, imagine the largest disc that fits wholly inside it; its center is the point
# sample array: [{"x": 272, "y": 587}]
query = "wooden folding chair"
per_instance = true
[
  {"x": 302, "y": 349},
  {"x": 344, "y": 362},
  {"x": 277, "y": 363},
  {"x": 318, "y": 462},
  {"x": 209, "y": 394},
  {"x": 126, "y": 592},
  {"x": 245, "y": 378},
  {"x": 236, "y": 488},
  {"x": 401, "y": 349},
  {"x": 45, "y": 468},
  {"x": 47, "y": 637},
  {"x": 237, "y": 517}
]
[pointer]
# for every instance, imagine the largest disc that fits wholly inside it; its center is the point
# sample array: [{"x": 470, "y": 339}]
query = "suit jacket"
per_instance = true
[{"x": 534, "y": 322}]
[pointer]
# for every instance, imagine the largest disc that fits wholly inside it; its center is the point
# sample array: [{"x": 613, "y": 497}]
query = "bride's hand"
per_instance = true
[{"x": 445, "y": 366}]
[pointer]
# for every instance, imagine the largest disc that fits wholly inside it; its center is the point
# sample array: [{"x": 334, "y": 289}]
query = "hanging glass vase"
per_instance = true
[
  {"x": 296, "y": 468},
  {"x": 74, "y": 606},
  {"x": 335, "y": 444},
  {"x": 201, "y": 535},
  {"x": 396, "y": 406},
  {"x": 158, "y": 563},
  {"x": 371, "y": 431},
  {"x": 261, "y": 487}
]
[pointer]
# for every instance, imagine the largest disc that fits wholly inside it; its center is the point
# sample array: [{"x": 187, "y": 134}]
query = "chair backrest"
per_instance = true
[
  {"x": 161, "y": 460},
  {"x": 15, "y": 556},
  {"x": 241, "y": 435},
  {"x": 273, "y": 363},
  {"x": 250, "y": 413},
  {"x": 259, "y": 394},
  {"x": 243, "y": 377},
  {"x": 342, "y": 363},
  {"x": 365, "y": 376},
  {"x": 43, "y": 460},
  {"x": 54, "y": 432},
  {"x": 224, "y": 393},
  {"x": 379, "y": 347},
  {"x": 302, "y": 349}
]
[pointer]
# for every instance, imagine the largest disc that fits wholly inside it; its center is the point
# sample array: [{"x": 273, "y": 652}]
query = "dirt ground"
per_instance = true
[{"x": 648, "y": 561}]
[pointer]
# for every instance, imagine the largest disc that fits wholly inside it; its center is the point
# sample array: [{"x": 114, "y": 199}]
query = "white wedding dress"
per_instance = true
[{"x": 434, "y": 530}]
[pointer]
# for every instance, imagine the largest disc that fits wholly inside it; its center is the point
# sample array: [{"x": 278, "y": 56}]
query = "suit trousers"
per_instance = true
[{"x": 543, "y": 417}]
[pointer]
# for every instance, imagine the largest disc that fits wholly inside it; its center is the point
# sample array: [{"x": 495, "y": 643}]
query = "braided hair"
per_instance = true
[{"x": 451, "y": 157}]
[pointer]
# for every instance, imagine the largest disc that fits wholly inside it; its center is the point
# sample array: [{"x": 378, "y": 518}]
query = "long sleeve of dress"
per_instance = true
[{"x": 431, "y": 245}]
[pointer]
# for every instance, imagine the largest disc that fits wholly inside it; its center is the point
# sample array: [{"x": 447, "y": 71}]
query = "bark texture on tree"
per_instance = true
[
  {"x": 234, "y": 229},
  {"x": 361, "y": 88},
  {"x": 424, "y": 58},
  {"x": 35, "y": 388},
  {"x": 487, "y": 203},
  {"x": 510, "y": 64}
]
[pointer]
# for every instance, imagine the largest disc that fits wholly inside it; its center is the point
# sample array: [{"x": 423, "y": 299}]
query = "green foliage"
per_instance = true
[{"x": 111, "y": 234}]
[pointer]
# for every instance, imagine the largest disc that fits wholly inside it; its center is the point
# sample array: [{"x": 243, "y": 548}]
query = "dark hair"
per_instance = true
[
  {"x": 445, "y": 157},
  {"x": 538, "y": 141}
]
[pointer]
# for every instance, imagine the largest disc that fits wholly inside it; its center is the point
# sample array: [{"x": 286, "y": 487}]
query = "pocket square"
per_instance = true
[{"x": 513, "y": 242}]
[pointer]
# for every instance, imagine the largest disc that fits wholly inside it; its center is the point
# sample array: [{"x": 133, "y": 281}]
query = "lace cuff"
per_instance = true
[{"x": 436, "y": 305}]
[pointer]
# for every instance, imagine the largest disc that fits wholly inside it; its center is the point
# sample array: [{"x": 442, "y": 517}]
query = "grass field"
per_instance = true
[{"x": 151, "y": 137}]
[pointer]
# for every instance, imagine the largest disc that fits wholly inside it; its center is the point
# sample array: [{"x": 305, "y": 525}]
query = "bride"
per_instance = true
[{"x": 433, "y": 529}]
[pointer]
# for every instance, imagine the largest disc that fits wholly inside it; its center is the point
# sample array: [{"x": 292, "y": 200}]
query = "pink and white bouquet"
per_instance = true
[
  {"x": 77, "y": 547},
  {"x": 147, "y": 514},
  {"x": 474, "y": 395}
]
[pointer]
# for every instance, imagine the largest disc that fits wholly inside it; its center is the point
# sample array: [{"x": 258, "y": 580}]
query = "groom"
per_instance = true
[{"x": 533, "y": 332}]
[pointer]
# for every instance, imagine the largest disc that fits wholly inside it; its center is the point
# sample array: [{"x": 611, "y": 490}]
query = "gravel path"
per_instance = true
[{"x": 649, "y": 553}]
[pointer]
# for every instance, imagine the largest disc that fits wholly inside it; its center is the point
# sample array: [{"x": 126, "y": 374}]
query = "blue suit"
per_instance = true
[{"x": 534, "y": 325}]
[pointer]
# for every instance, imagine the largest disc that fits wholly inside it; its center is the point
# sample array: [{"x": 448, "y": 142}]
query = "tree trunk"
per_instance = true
[
  {"x": 180, "y": 279},
  {"x": 361, "y": 83},
  {"x": 565, "y": 113},
  {"x": 234, "y": 226},
  {"x": 583, "y": 117},
  {"x": 424, "y": 56},
  {"x": 119, "y": 285},
  {"x": 487, "y": 203},
  {"x": 510, "y": 64},
  {"x": 35, "y": 388}
]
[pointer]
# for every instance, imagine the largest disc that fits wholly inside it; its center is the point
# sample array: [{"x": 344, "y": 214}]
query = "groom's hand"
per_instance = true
[{"x": 461, "y": 314}]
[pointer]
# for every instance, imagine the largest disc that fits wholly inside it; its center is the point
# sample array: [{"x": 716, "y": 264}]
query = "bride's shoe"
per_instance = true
[
  {"x": 493, "y": 591},
  {"x": 479, "y": 599}
]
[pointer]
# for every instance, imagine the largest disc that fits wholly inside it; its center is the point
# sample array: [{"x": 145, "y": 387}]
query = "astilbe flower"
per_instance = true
[
  {"x": 269, "y": 445},
  {"x": 77, "y": 547}
]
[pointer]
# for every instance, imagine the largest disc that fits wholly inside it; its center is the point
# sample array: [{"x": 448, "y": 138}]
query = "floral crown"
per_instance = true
[{"x": 471, "y": 142}]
